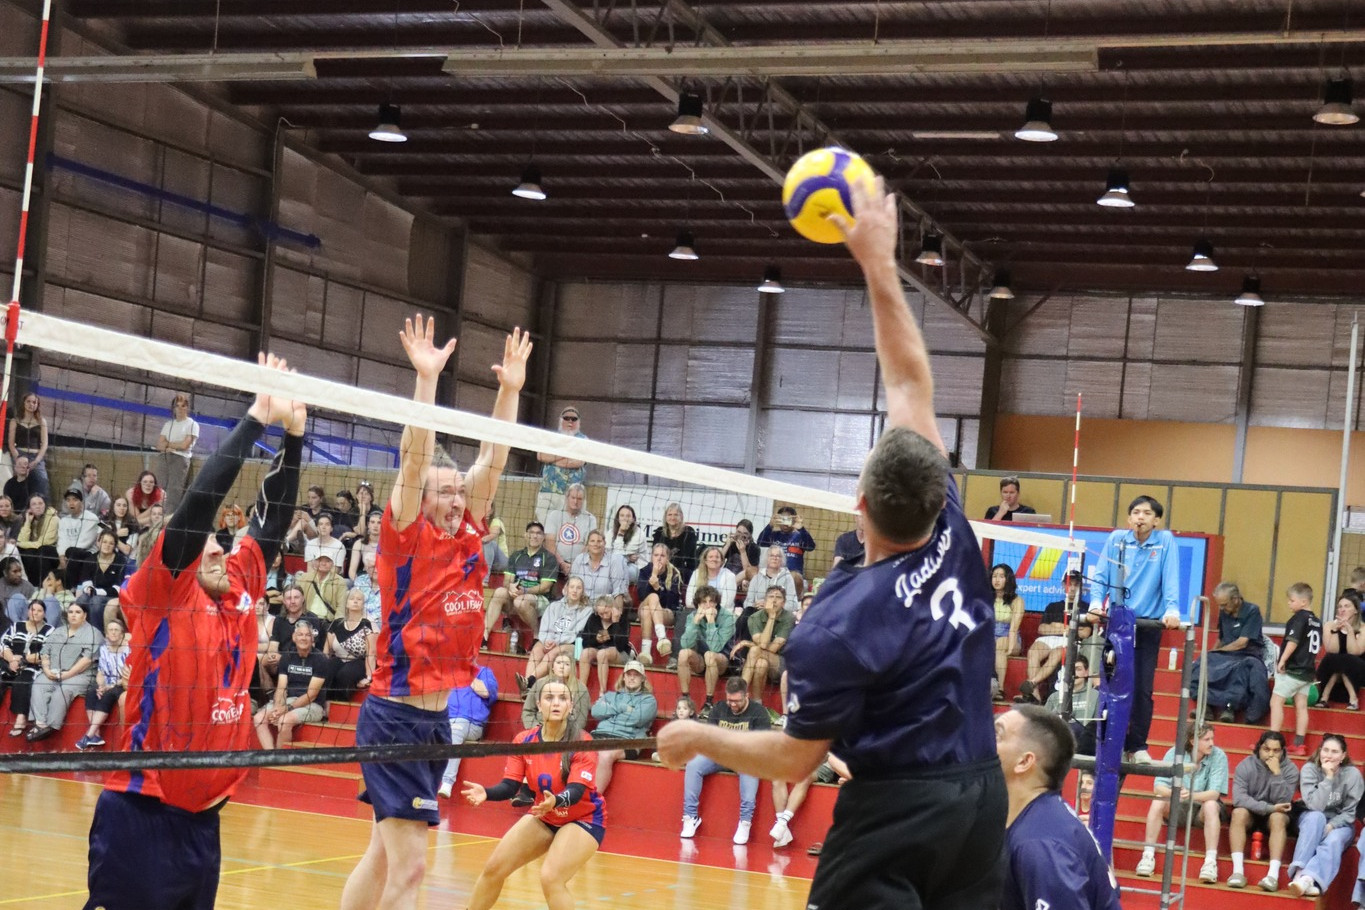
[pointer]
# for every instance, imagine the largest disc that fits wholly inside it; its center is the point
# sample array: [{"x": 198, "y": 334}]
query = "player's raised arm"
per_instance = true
[
  {"x": 419, "y": 443},
  {"x": 901, "y": 352},
  {"x": 280, "y": 487},
  {"x": 481, "y": 482}
]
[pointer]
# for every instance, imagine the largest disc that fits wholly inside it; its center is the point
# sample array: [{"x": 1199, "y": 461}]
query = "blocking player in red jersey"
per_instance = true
[
  {"x": 191, "y": 618},
  {"x": 565, "y": 826},
  {"x": 430, "y": 573}
]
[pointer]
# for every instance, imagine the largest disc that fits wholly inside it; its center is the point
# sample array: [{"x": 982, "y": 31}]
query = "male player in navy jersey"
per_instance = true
[
  {"x": 1054, "y": 861},
  {"x": 891, "y": 668}
]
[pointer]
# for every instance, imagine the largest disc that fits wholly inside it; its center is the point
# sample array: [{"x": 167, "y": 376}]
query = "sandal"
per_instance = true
[
  {"x": 814, "y": 849},
  {"x": 16, "y": 730}
]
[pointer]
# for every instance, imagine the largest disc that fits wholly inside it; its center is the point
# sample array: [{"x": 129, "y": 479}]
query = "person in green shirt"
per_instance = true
[
  {"x": 702, "y": 646},
  {"x": 769, "y": 630}
]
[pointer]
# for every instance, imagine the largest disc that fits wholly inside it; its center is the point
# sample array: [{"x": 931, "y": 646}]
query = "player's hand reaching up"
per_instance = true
[
  {"x": 272, "y": 409},
  {"x": 419, "y": 342},
  {"x": 516, "y": 350},
  {"x": 872, "y": 235}
]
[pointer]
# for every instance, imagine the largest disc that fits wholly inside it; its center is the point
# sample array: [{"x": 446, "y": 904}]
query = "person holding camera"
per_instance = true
[{"x": 787, "y": 531}]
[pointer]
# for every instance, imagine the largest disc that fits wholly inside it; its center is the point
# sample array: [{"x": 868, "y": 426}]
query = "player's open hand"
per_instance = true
[
  {"x": 675, "y": 744},
  {"x": 872, "y": 235},
  {"x": 419, "y": 343},
  {"x": 516, "y": 350},
  {"x": 272, "y": 409},
  {"x": 473, "y": 793},
  {"x": 545, "y": 806}
]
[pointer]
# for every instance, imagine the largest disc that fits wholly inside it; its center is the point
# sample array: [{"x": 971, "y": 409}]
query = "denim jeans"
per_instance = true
[
  {"x": 700, "y": 767},
  {"x": 1318, "y": 851}
]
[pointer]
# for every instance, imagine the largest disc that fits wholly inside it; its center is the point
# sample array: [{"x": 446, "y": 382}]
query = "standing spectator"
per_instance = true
[
  {"x": 627, "y": 713},
  {"x": 68, "y": 660},
  {"x": 493, "y": 553},
  {"x": 145, "y": 494},
  {"x": 738, "y": 713},
  {"x": 1009, "y": 614},
  {"x": 76, "y": 533},
  {"x": 788, "y": 531},
  {"x": 1053, "y": 860},
  {"x": 1298, "y": 664},
  {"x": 37, "y": 541},
  {"x": 769, "y": 630},
  {"x": 711, "y": 571},
  {"x": 661, "y": 589},
  {"x": 23, "y": 484},
  {"x": 530, "y": 577},
  {"x": 28, "y": 437},
  {"x": 95, "y": 498},
  {"x": 602, "y": 572},
  {"x": 850, "y": 546},
  {"x": 124, "y": 526},
  {"x": 21, "y": 647},
  {"x": 1202, "y": 788},
  {"x": 1084, "y": 705},
  {"x": 350, "y": 643},
  {"x": 774, "y": 573},
  {"x": 111, "y": 679},
  {"x": 1009, "y": 502},
  {"x": 704, "y": 644},
  {"x": 324, "y": 589},
  {"x": 15, "y": 589},
  {"x": 1331, "y": 788},
  {"x": 627, "y": 538},
  {"x": 299, "y": 697},
  {"x": 558, "y": 474},
  {"x": 567, "y": 529},
  {"x": 604, "y": 640},
  {"x": 10, "y": 520},
  {"x": 680, "y": 538},
  {"x": 559, "y": 628},
  {"x": 1143, "y": 560},
  {"x": 176, "y": 445},
  {"x": 468, "y": 708},
  {"x": 1263, "y": 791},
  {"x": 1344, "y": 661},
  {"x": 741, "y": 554}
]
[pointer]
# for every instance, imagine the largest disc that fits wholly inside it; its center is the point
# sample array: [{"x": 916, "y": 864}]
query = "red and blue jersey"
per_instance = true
[
  {"x": 431, "y": 592},
  {"x": 191, "y": 662},
  {"x": 542, "y": 774}
]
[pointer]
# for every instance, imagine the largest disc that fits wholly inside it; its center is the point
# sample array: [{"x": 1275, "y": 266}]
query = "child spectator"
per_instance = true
[
  {"x": 468, "y": 708},
  {"x": 1298, "y": 664}
]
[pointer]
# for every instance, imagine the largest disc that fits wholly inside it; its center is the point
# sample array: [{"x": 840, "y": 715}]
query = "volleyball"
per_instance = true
[{"x": 818, "y": 185}]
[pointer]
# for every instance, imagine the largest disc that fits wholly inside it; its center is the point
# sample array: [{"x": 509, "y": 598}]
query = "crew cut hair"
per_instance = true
[{"x": 905, "y": 484}]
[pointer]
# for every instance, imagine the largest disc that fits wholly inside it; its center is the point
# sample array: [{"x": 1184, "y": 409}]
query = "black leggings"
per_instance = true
[{"x": 21, "y": 692}]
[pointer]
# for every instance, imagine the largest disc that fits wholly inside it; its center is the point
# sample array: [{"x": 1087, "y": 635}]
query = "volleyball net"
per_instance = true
[{"x": 559, "y": 600}]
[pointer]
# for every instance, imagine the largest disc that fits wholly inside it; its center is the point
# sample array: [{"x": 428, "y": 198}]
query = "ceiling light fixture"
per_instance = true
[
  {"x": 772, "y": 281},
  {"x": 1202, "y": 258},
  {"x": 685, "y": 247},
  {"x": 1251, "y": 292},
  {"x": 389, "y": 128},
  {"x": 689, "y": 116},
  {"x": 1336, "y": 104},
  {"x": 931, "y": 250},
  {"x": 1037, "y": 122},
  {"x": 529, "y": 187},
  {"x": 1116, "y": 193},
  {"x": 1000, "y": 286}
]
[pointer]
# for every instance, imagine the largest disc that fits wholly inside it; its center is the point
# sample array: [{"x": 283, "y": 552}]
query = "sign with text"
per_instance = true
[{"x": 712, "y": 513}]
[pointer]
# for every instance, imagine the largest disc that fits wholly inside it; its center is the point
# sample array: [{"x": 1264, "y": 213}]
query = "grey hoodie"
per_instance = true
[
  {"x": 1336, "y": 797},
  {"x": 1257, "y": 790}
]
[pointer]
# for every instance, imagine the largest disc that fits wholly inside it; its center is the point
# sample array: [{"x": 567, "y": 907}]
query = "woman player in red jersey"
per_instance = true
[{"x": 565, "y": 826}]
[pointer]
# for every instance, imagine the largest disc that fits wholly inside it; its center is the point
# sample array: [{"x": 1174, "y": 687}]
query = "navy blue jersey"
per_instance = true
[
  {"x": 1054, "y": 862},
  {"x": 894, "y": 660}
]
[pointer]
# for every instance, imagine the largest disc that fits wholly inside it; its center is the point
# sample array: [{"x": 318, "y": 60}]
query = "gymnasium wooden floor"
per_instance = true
[{"x": 274, "y": 856}]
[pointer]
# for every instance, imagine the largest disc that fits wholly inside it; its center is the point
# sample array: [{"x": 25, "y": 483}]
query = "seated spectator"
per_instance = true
[
  {"x": 15, "y": 589},
  {"x": 1344, "y": 652},
  {"x": 76, "y": 533},
  {"x": 1263, "y": 791},
  {"x": 684, "y": 709},
  {"x": 851, "y": 546},
  {"x": 468, "y": 708},
  {"x": 567, "y": 529},
  {"x": 773, "y": 574},
  {"x": 299, "y": 697},
  {"x": 627, "y": 713},
  {"x": 561, "y": 670},
  {"x": 324, "y": 544},
  {"x": 300, "y": 532},
  {"x": 365, "y": 547},
  {"x": 1237, "y": 677},
  {"x": 605, "y": 639},
  {"x": 494, "y": 556},
  {"x": 282, "y": 633},
  {"x": 627, "y": 539},
  {"x": 21, "y": 647},
  {"x": 769, "y": 630},
  {"x": 738, "y": 713},
  {"x": 144, "y": 494},
  {"x": 1048, "y": 650},
  {"x": 1009, "y": 614},
  {"x": 37, "y": 541},
  {"x": 350, "y": 643},
  {"x": 56, "y": 598},
  {"x": 602, "y": 572},
  {"x": 741, "y": 554},
  {"x": 111, "y": 679},
  {"x": 231, "y": 527},
  {"x": 1084, "y": 706},
  {"x": 364, "y": 498},
  {"x": 265, "y": 630},
  {"x": 788, "y": 798},
  {"x": 93, "y": 496},
  {"x": 1202, "y": 788},
  {"x": 120, "y": 520},
  {"x": 711, "y": 571},
  {"x": 277, "y": 579},
  {"x": 1009, "y": 502},
  {"x": 560, "y": 627},
  {"x": 526, "y": 585},
  {"x": 680, "y": 538},
  {"x": 660, "y": 589},
  {"x": 345, "y": 515},
  {"x": 7, "y": 548},
  {"x": 324, "y": 589},
  {"x": 176, "y": 445},
  {"x": 100, "y": 577},
  {"x": 705, "y": 643},
  {"x": 557, "y": 473},
  {"x": 150, "y": 532},
  {"x": 23, "y": 485},
  {"x": 1331, "y": 788},
  {"x": 10, "y": 520},
  {"x": 68, "y": 666},
  {"x": 788, "y": 531},
  {"x": 314, "y": 506}
]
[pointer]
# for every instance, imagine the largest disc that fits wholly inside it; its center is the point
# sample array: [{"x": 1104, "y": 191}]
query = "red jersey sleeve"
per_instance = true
[{"x": 515, "y": 768}]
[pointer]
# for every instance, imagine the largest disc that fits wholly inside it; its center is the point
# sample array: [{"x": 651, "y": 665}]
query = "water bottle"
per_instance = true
[
  {"x": 512, "y": 642},
  {"x": 1170, "y": 661},
  {"x": 1257, "y": 845}
]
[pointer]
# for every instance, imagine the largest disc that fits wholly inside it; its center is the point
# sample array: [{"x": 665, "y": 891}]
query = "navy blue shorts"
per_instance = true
[
  {"x": 597, "y": 831},
  {"x": 144, "y": 853},
  {"x": 401, "y": 789}
]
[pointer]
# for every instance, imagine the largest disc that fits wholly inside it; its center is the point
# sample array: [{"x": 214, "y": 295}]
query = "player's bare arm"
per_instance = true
[
  {"x": 481, "y": 483},
  {"x": 767, "y": 754},
  {"x": 419, "y": 442}
]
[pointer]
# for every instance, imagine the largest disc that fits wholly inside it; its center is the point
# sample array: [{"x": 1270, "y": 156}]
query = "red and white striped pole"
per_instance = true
[{"x": 12, "y": 311}]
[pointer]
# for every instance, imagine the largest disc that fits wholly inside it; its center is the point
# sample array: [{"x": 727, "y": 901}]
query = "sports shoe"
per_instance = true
[
  {"x": 705, "y": 712},
  {"x": 83, "y": 743},
  {"x": 444, "y": 792},
  {"x": 1026, "y": 692},
  {"x": 672, "y": 664},
  {"x": 1208, "y": 873},
  {"x": 1237, "y": 880},
  {"x": 1228, "y": 716},
  {"x": 1269, "y": 883},
  {"x": 522, "y": 683},
  {"x": 94, "y": 742},
  {"x": 1304, "y": 886},
  {"x": 780, "y": 833},
  {"x": 1299, "y": 750},
  {"x": 1142, "y": 757},
  {"x": 690, "y": 825},
  {"x": 523, "y": 798},
  {"x": 1146, "y": 866},
  {"x": 742, "y": 833}
]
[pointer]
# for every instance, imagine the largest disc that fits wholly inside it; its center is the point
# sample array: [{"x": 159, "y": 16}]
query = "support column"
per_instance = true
[
  {"x": 990, "y": 383},
  {"x": 1250, "y": 329}
]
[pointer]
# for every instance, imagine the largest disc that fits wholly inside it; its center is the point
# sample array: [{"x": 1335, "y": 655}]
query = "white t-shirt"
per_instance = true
[{"x": 176, "y": 431}]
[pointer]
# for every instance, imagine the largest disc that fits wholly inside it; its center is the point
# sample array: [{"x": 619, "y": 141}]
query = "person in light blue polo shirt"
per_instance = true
[{"x": 1143, "y": 559}]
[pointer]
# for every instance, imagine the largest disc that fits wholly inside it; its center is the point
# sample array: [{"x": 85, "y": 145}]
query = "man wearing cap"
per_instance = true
[
  {"x": 558, "y": 474},
  {"x": 324, "y": 590},
  {"x": 77, "y": 530},
  {"x": 626, "y": 713}
]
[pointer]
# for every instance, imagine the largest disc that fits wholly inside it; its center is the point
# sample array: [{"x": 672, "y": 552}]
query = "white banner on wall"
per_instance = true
[{"x": 712, "y": 512}]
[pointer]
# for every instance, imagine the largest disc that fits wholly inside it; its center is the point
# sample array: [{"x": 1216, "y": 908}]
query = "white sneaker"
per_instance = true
[
  {"x": 1142, "y": 757},
  {"x": 742, "y": 833},
  {"x": 1146, "y": 866},
  {"x": 1304, "y": 886},
  {"x": 690, "y": 825},
  {"x": 780, "y": 833},
  {"x": 444, "y": 792},
  {"x": 1208, "y": 873}
]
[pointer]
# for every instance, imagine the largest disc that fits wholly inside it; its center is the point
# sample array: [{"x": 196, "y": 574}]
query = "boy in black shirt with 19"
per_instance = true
[{"x": 1298, "y": 664}]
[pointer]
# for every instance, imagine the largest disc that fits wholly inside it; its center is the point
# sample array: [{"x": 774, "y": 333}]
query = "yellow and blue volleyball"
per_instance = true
[{"x": 818, "y": 185}]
